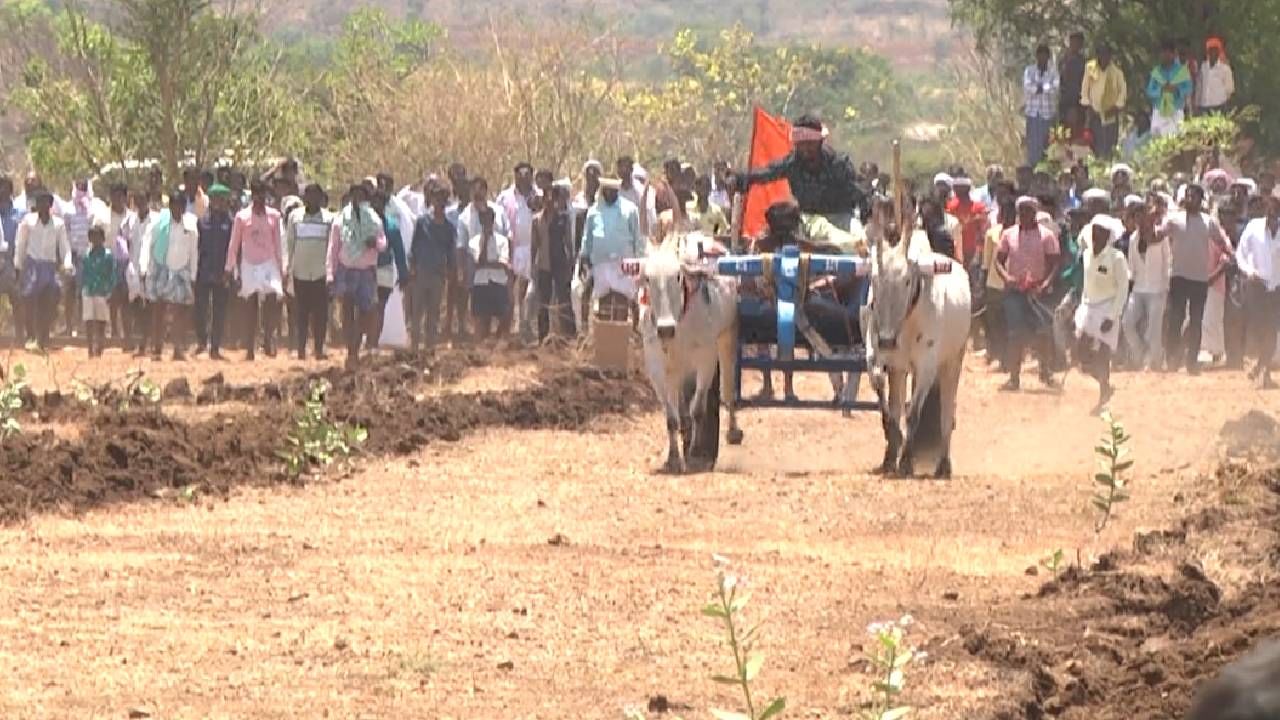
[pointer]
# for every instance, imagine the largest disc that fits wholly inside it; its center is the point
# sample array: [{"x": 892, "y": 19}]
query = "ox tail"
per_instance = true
[{"x": 927, "y": 441}]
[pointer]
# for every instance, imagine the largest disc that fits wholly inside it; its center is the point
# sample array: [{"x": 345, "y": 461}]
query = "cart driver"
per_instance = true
[{"x": 824, "y": 185}]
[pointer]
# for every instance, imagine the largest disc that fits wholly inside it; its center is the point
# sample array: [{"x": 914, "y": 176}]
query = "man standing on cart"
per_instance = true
[{"x": 823, "y": 183}]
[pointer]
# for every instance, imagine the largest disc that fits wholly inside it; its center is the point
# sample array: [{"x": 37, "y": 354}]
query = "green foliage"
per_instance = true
[
  {"x": 727, "y": 606},
  {"x": 1134, "y": 30},
  {"x": 84, "y": 393},
  {"x": 11, "y": 389},
  {"x": 314, "y": 439},
  {"x": 173, "y": 80},
  {"x": 1113, "y": 460},
  {"x": 705, "y": 108},
  {"x": 1196, "y": 138},
  {"x": 889, "y": 656},
  {"x": 137, "y": 386}
]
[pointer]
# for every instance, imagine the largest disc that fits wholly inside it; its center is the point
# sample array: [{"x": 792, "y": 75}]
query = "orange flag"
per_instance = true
[{"x": 770, "y": 142}]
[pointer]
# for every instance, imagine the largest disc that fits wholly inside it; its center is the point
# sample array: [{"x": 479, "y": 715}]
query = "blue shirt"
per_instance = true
[
  {"x": 434, "y": 246},
  {"x": 214, "y": 239},
  {"x": 395, "y": 247},
  {"x": 9, "y": 220},
  {"x": 611, "y": 232}
]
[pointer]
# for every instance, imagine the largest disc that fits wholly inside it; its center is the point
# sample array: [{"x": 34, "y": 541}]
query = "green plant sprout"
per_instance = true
[
  {"x": 11, "y": 401},
  {"x": 314, "y": 439},
  {"x": 727, "y": 606},
  {"x": 889, "y": 656},
  {"x": 1114, "y": 462}
]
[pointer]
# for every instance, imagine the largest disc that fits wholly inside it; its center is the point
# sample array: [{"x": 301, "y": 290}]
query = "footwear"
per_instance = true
[{"x": 1013, "y": 384}]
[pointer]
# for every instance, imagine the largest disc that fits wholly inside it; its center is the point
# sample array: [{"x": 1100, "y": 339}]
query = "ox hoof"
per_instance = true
[
  {"x": 906, "y": 468},
  {"x": 673, "y": 466},
  {"x": 887, "y": 467},
  {"x": 734, "y": 436},
  {"x": 944, "y": 470}
]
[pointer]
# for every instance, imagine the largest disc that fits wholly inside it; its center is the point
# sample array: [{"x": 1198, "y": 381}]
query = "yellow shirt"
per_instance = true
[
  {"x": 1104, "y": 91},
  {"x": 711, "y": 222}
]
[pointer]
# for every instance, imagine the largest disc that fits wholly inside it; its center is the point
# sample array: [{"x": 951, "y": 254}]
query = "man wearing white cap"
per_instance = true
[
  {"x": 1149, "y": 271},
  {"x": 1102, "y": 301},
  {"x": 1121, "y": 183},
  {"x": 1259, "y": 262},
  {"x": 612, "y": 234}
]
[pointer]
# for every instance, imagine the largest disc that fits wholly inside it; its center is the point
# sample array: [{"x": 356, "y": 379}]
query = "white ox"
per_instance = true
[
  {"x": 917, "y": 326},
  {"x": 689, "y": 327}
]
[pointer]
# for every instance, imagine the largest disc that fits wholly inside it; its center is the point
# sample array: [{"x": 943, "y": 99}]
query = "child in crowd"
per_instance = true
[
  {"x": 97, "y": 283},
  {"x": 491, "y": 252}
]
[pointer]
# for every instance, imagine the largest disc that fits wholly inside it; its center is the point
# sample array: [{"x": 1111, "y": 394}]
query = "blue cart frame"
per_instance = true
[{"x": 788, "y": 269}]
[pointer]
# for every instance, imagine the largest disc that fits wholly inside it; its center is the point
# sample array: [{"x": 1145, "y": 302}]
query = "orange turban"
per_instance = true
[{"x": 1216, "y": 42}]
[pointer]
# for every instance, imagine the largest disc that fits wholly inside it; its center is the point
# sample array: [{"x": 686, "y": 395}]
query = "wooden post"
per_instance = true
[{"x": 899, "y": 197}]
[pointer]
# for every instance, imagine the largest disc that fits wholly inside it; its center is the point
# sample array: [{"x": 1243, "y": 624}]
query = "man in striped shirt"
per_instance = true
[{"x": 307, "y": 247}]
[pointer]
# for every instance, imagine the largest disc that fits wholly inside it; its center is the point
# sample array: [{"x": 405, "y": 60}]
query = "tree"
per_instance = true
[
  {"x": 705, "y": 109},
  {"x": 1134, "y": 30},
  {"x": 166, "y": 79}
]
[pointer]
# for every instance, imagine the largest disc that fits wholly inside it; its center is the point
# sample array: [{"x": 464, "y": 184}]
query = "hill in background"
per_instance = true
[{"x": 913, "y": 34}]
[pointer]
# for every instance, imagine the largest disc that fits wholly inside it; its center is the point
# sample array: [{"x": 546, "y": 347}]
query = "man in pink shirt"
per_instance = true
[
  {"x": 256, "y": 253},
  {"x": 1027, "y": 260},
  {"x": 356, "y": 238}
]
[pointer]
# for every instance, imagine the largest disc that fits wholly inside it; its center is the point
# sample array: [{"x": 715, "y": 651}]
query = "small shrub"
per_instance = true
[
  {"x": 727, "y": 606},
  {"x": 84, "y": 393},
  {"x": 889, "y": 656},
  {"x": 11, "y": 401},
  {"x": 1114, "y": 462},
  {"x": 138, "y": 385},
  {"x": 314, "y": 439}
]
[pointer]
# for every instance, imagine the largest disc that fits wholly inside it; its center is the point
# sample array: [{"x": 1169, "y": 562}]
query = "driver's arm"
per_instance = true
[{"x": 767, "y": 173}]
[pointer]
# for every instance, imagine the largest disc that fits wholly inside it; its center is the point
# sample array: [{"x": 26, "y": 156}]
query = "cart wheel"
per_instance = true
[{"x": 703, "y": 454}]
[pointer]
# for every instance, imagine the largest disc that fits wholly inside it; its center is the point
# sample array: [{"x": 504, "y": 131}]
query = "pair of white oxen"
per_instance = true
[{"x": 916, "y": 324}]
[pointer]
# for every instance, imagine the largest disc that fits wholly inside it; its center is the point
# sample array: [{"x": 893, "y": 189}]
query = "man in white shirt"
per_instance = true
[
  {"x": 134, "y": 232},
  {"x": 514, "y": 201},
  {"x": 1149, "y": 265},
  {"x": 41, "y": 252},
  {"x": 635, "y": 188},
  {"x": 1216, "y": 83},
  {"x": 491, "y": 255},
  {"x": 1258, "y": 258}
]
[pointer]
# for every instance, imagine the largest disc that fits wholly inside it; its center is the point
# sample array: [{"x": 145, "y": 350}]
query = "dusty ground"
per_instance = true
[{"x": 491, "y": 559}]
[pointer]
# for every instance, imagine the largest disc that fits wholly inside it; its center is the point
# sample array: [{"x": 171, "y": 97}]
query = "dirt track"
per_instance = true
[{"x": 490, "y": 559}]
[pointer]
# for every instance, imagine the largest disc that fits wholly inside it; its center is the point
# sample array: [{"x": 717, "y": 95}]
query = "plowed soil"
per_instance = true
[
  {"x": 131, "y": 448},
  {"x": 504, "y": 547}
]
